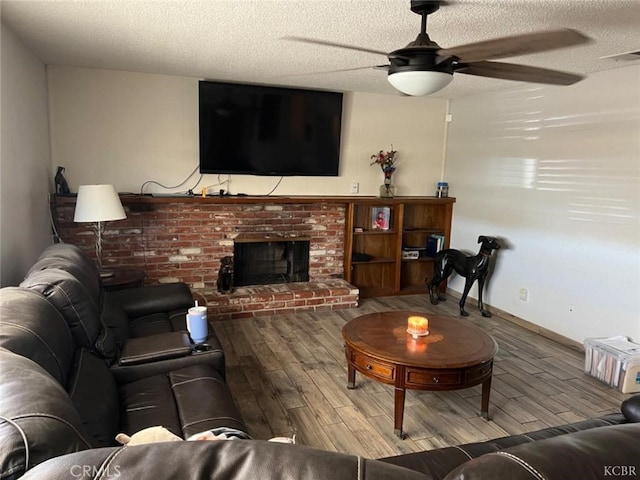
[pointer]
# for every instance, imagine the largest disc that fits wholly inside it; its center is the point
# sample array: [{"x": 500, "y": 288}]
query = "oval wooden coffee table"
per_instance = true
[{"x": 456, "y": 354}]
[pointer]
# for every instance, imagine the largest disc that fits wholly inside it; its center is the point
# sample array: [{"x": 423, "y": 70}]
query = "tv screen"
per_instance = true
[{"x": 258, "y": 130}]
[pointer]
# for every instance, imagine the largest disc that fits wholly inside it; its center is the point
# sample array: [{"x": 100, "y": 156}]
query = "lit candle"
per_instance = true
[{"x": 418, "y": 326}]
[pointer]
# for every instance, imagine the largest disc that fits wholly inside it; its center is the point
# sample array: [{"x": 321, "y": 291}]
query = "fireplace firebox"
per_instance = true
[{"x": 264, "y": 262}]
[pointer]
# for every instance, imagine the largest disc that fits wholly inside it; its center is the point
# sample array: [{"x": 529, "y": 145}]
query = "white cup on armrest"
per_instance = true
[{"x": 197, "y": 324}]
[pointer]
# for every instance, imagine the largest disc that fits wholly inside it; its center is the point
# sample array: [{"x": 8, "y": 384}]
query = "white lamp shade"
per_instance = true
[
  {"x": 98, "y": 203},
  {"x": 419, "y": 83}
]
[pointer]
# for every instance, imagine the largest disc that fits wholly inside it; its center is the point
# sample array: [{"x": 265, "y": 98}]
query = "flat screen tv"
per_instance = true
[{"x": 259, "y": 130}]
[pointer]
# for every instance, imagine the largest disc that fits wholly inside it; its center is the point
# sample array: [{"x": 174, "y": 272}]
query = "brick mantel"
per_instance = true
[{"x": 184, "y": 238}]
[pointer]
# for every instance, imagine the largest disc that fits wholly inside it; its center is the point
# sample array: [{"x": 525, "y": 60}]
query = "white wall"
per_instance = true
[
  {"x": 25, "y": 172},
  {"x": 126, "y": 128},
  {"x": 556, "y": 171},
  {"x": 553, "y": 170}
]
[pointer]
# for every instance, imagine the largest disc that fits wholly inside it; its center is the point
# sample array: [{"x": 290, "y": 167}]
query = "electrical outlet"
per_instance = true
[
  {"x": 524, "y": 294},
  {"x": 572, "y": 309},
  {"x": 355, "y": 187}
]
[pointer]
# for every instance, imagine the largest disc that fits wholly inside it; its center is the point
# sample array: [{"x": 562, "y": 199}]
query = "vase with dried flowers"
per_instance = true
[{"x": 387, "y": 162}]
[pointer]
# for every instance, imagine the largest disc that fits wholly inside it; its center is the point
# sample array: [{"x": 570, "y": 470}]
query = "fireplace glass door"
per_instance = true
[{"x": 268, "y": 262}]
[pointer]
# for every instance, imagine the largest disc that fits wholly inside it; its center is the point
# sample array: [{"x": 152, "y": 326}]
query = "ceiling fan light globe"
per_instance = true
[{"x": 418, "y": 83}]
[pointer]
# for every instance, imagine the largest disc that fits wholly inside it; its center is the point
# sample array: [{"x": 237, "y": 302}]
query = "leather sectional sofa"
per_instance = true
[
  {"x": 79, "y": 364},
  {"x": 67, "y": 386}
]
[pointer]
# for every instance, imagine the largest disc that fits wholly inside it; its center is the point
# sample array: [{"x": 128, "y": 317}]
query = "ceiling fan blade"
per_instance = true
[
  {"x": 516, "y": 45},
  {"x": 314, "y": 41},
  {"x": 523, "y": 73},
  {"x": 374, "y": 67}
]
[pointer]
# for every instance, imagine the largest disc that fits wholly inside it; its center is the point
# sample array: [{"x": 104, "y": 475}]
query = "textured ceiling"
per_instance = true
[{"x": 241, "y": 40}]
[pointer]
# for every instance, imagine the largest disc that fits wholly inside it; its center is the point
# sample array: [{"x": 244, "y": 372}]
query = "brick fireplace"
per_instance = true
[{"x": 183, "y": 239}]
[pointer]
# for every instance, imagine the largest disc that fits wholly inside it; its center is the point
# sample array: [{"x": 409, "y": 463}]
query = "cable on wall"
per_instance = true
[
  {"x": 220, "y": 182},
  {"x": 174, "y": 186},
  {"x": 274, "y": 188}
]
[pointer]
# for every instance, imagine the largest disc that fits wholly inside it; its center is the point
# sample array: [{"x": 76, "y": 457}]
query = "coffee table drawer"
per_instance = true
[
  {"x": 374, "y": 368},
  {"x": 423, "y": 378},
  {"x": 479, "y": 372}
]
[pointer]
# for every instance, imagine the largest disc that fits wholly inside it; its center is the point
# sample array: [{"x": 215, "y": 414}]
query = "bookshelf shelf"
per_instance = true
[
  {"x": 411, "y": 221},
  {"x": 419, "y": 259},
  {"x": 375, "y": 260}
]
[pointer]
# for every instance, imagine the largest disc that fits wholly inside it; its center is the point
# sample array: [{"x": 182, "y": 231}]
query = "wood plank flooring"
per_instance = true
[{"x": 288, "y": 375}]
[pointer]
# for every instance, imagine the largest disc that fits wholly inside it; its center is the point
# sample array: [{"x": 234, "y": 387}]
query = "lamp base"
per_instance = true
[{"x": 106, "y": 273}]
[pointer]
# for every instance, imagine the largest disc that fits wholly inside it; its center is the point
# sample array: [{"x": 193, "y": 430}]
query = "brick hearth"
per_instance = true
[
  {"x": 184, "y": 239},
  {"x": 330, "y": 294}
]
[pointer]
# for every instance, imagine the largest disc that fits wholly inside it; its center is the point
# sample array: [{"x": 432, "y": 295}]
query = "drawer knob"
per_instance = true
[
  {"x": 369, "y": 367},
  {"x": 436, "y": 379}
]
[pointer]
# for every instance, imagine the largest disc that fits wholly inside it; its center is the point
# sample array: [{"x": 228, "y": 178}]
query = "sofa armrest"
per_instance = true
[
  {"x": 155, "y": 347},
  {"x": 213, "y": 357},
  {"x": 151, "y": 299},
  {"x": 631, "y": 409}
]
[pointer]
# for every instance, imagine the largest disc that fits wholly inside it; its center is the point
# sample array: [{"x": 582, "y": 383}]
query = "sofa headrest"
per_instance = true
[
  {"x": 32, "y": 327},
  {"x": 223, "y": 460},
  {"x": 85, "y": 275},
  {"x": 74, "y": 255},
  {"x": 611, "y": 451},
  {"x": 72, "y": 299},
  {"x": 36, "y": 410}
]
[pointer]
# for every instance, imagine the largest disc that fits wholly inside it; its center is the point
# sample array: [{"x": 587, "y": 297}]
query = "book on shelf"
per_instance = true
[{"x": 435, "y": 243}]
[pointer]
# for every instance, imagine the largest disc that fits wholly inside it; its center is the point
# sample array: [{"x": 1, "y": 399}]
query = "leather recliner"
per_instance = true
[{"x": 135, "y": 324}]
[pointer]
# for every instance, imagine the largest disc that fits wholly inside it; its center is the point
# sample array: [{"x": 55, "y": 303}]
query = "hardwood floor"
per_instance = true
[{"x": 288, "y": 375}]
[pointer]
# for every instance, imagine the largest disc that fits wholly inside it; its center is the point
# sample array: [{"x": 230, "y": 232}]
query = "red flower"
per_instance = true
[{"x": 386, "y": 160}]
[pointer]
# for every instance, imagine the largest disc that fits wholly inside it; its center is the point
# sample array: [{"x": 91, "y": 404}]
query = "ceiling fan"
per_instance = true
[{"x": 423, "y": 67}]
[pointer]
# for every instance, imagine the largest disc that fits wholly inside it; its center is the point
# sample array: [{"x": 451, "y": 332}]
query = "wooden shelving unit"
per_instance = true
[{"x": 373, "y": 257}]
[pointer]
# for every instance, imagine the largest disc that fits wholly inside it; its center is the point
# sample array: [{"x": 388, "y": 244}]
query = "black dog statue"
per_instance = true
[
  {"x": 62, "y": 187},
  {"x": 225, "y": 275},
  {"x": 471, "y": 267}
]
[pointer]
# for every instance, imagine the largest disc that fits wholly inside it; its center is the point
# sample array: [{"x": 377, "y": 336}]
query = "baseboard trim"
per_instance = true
[{"x": 526, "y": 324}]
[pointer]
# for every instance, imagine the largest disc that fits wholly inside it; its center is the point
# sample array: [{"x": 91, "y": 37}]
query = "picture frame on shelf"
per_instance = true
[{"x": 380, "y": 218}]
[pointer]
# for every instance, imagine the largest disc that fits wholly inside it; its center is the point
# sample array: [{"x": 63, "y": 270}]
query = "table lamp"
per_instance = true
[{"x": 98, "y": 204}]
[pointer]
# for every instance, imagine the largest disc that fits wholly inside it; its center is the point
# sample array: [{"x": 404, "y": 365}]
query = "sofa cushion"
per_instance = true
[
  {"x": 148, "y": 402},
  {"x": 32, "y": 327},
  {"x": 186, "y": 401},
  {"x": 73, "y": 301},
  {"x": 173, "y": 321},
  {"x": 116, "y": 321},
  {"x": 193, "y": 384},
  {"x": 95, "y": 396},
  {"x": 39, "y": 408},
  {"x": 150, "y": 325}
]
